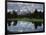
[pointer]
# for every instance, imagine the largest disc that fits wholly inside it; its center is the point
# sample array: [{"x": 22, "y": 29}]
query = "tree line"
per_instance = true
[{"x": 36, "y": 14}]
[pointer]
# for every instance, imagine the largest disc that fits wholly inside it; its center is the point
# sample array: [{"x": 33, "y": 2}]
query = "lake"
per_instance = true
[{"x": 24, "y": 26}]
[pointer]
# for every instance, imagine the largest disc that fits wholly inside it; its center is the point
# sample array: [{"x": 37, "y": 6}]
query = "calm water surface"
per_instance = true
[{"x": 23, "y": 26}]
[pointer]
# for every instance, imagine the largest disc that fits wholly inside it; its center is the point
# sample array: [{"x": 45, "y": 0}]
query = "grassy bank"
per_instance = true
[{"x": 26, "y": 19}]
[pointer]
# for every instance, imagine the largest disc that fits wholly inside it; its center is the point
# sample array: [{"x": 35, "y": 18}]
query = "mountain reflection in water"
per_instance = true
[{"x": 23, "y": 26}]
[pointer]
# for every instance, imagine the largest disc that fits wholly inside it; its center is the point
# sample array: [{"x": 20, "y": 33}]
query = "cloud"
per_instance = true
[{"x": 21, "y": 8}]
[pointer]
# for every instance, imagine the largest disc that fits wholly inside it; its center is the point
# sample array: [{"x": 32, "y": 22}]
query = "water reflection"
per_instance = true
[
  {"x": 24, "y": 26},
  {"x": 12, "y": 22},
  {"x": 15, "y": 22},
  {"x": 9, "y": 23},
  {"x": 37, "y": 24}
]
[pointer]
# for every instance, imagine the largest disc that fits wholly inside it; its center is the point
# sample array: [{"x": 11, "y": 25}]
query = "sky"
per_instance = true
[{"x": 24, "y": 7}]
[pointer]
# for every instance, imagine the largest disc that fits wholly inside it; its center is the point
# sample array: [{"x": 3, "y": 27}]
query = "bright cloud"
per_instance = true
[{"x": 24, "y": 7}]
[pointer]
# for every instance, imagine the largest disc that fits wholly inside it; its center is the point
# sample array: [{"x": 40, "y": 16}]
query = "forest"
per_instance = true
[{"x": 36, "y": 14}]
